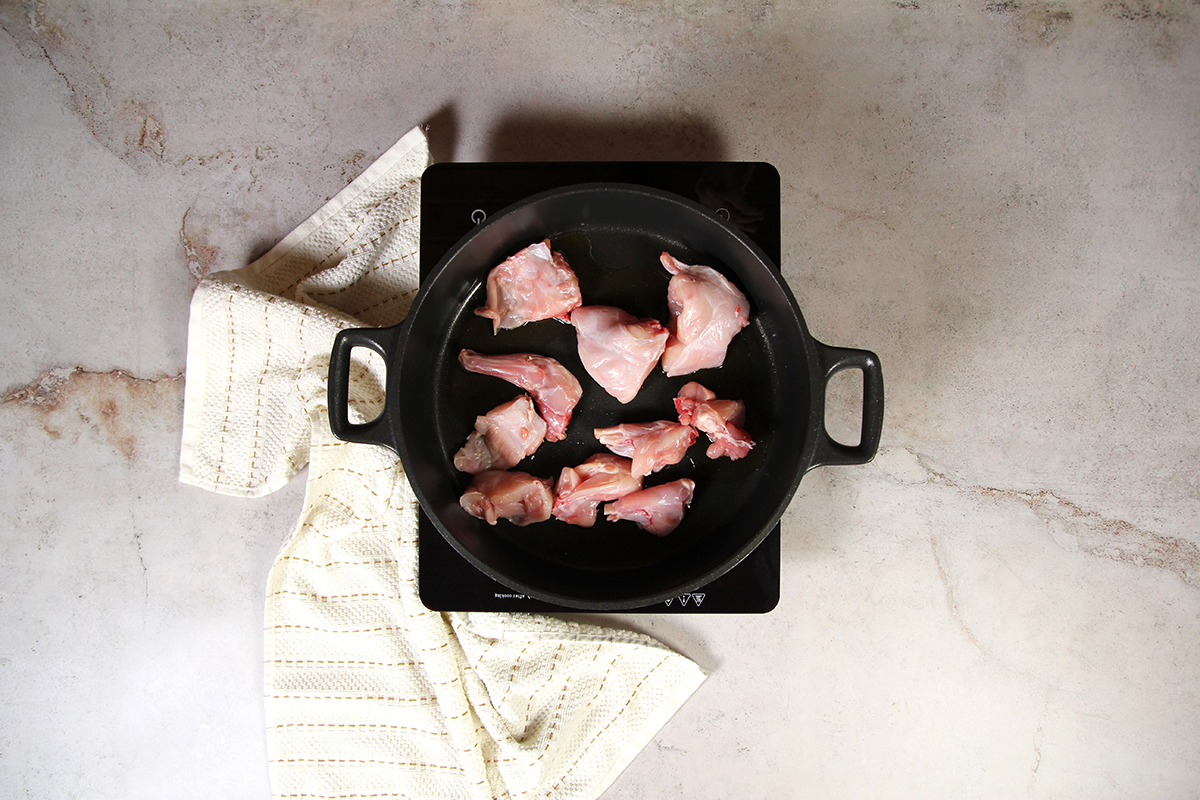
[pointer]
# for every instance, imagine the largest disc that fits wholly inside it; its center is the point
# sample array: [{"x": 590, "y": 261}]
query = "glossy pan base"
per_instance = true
[{"x": 612, "y": 236}]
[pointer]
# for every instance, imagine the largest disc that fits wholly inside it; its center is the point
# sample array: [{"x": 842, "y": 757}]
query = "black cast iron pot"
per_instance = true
[{"x": 611, "y": 235}]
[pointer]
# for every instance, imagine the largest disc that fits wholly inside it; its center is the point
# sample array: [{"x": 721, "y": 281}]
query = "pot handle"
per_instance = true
[
  {"x": 833, "y": 360},
  {"x": 379, "y": 430}
]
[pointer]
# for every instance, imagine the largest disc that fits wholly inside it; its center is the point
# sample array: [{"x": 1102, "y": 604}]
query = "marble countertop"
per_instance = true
[{"x": 1001, "y": 199}]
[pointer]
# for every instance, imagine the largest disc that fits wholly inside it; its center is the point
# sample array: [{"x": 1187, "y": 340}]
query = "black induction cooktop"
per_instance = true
[{"x": 457, "y": 196}]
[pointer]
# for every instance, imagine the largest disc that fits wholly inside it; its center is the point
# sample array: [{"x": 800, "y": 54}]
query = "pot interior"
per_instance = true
[{"x": 612, "y": 241}]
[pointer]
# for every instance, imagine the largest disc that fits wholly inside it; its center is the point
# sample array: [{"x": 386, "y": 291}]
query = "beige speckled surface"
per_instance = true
[{"x": 1002, "y": 199}]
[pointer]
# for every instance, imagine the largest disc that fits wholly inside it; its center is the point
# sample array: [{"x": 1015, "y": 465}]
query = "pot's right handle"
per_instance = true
[
  {"x": 379, "y": 430},
  {"x": 833, "y": 360}
]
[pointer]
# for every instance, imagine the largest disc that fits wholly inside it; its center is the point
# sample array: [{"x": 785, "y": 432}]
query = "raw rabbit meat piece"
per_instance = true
[
  {"x": 651, "y": 445},
  {"x": 555, "y": 390},
  {"x": 617, "y": 349},
  {"x": 518, "y": 497},
  {"x": 502, "y": 437},
  {"x": 534, "y": 284},
  {"x": 657, "y": 509},
  {"x": 706, "y": 312},
  {"x": 720, "y": 420},
  {"x": 581, "y": 489}
]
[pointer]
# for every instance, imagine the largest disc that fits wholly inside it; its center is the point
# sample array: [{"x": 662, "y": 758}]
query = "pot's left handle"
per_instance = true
[
  {"x": 833, "y": 360},
  {"x": 379, "y": 430}
]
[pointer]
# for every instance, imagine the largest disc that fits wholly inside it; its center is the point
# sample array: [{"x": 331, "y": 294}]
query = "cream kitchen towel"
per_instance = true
[{"x": 368, "y": 693}]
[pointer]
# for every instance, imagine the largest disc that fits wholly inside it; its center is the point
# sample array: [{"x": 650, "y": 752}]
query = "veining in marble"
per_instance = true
[
  {"x": 1002, "y": 199},
  {"x": 113, "y": 407}
]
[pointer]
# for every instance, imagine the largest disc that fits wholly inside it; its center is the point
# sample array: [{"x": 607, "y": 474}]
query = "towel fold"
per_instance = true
[{"x": 367, "y": 693}]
